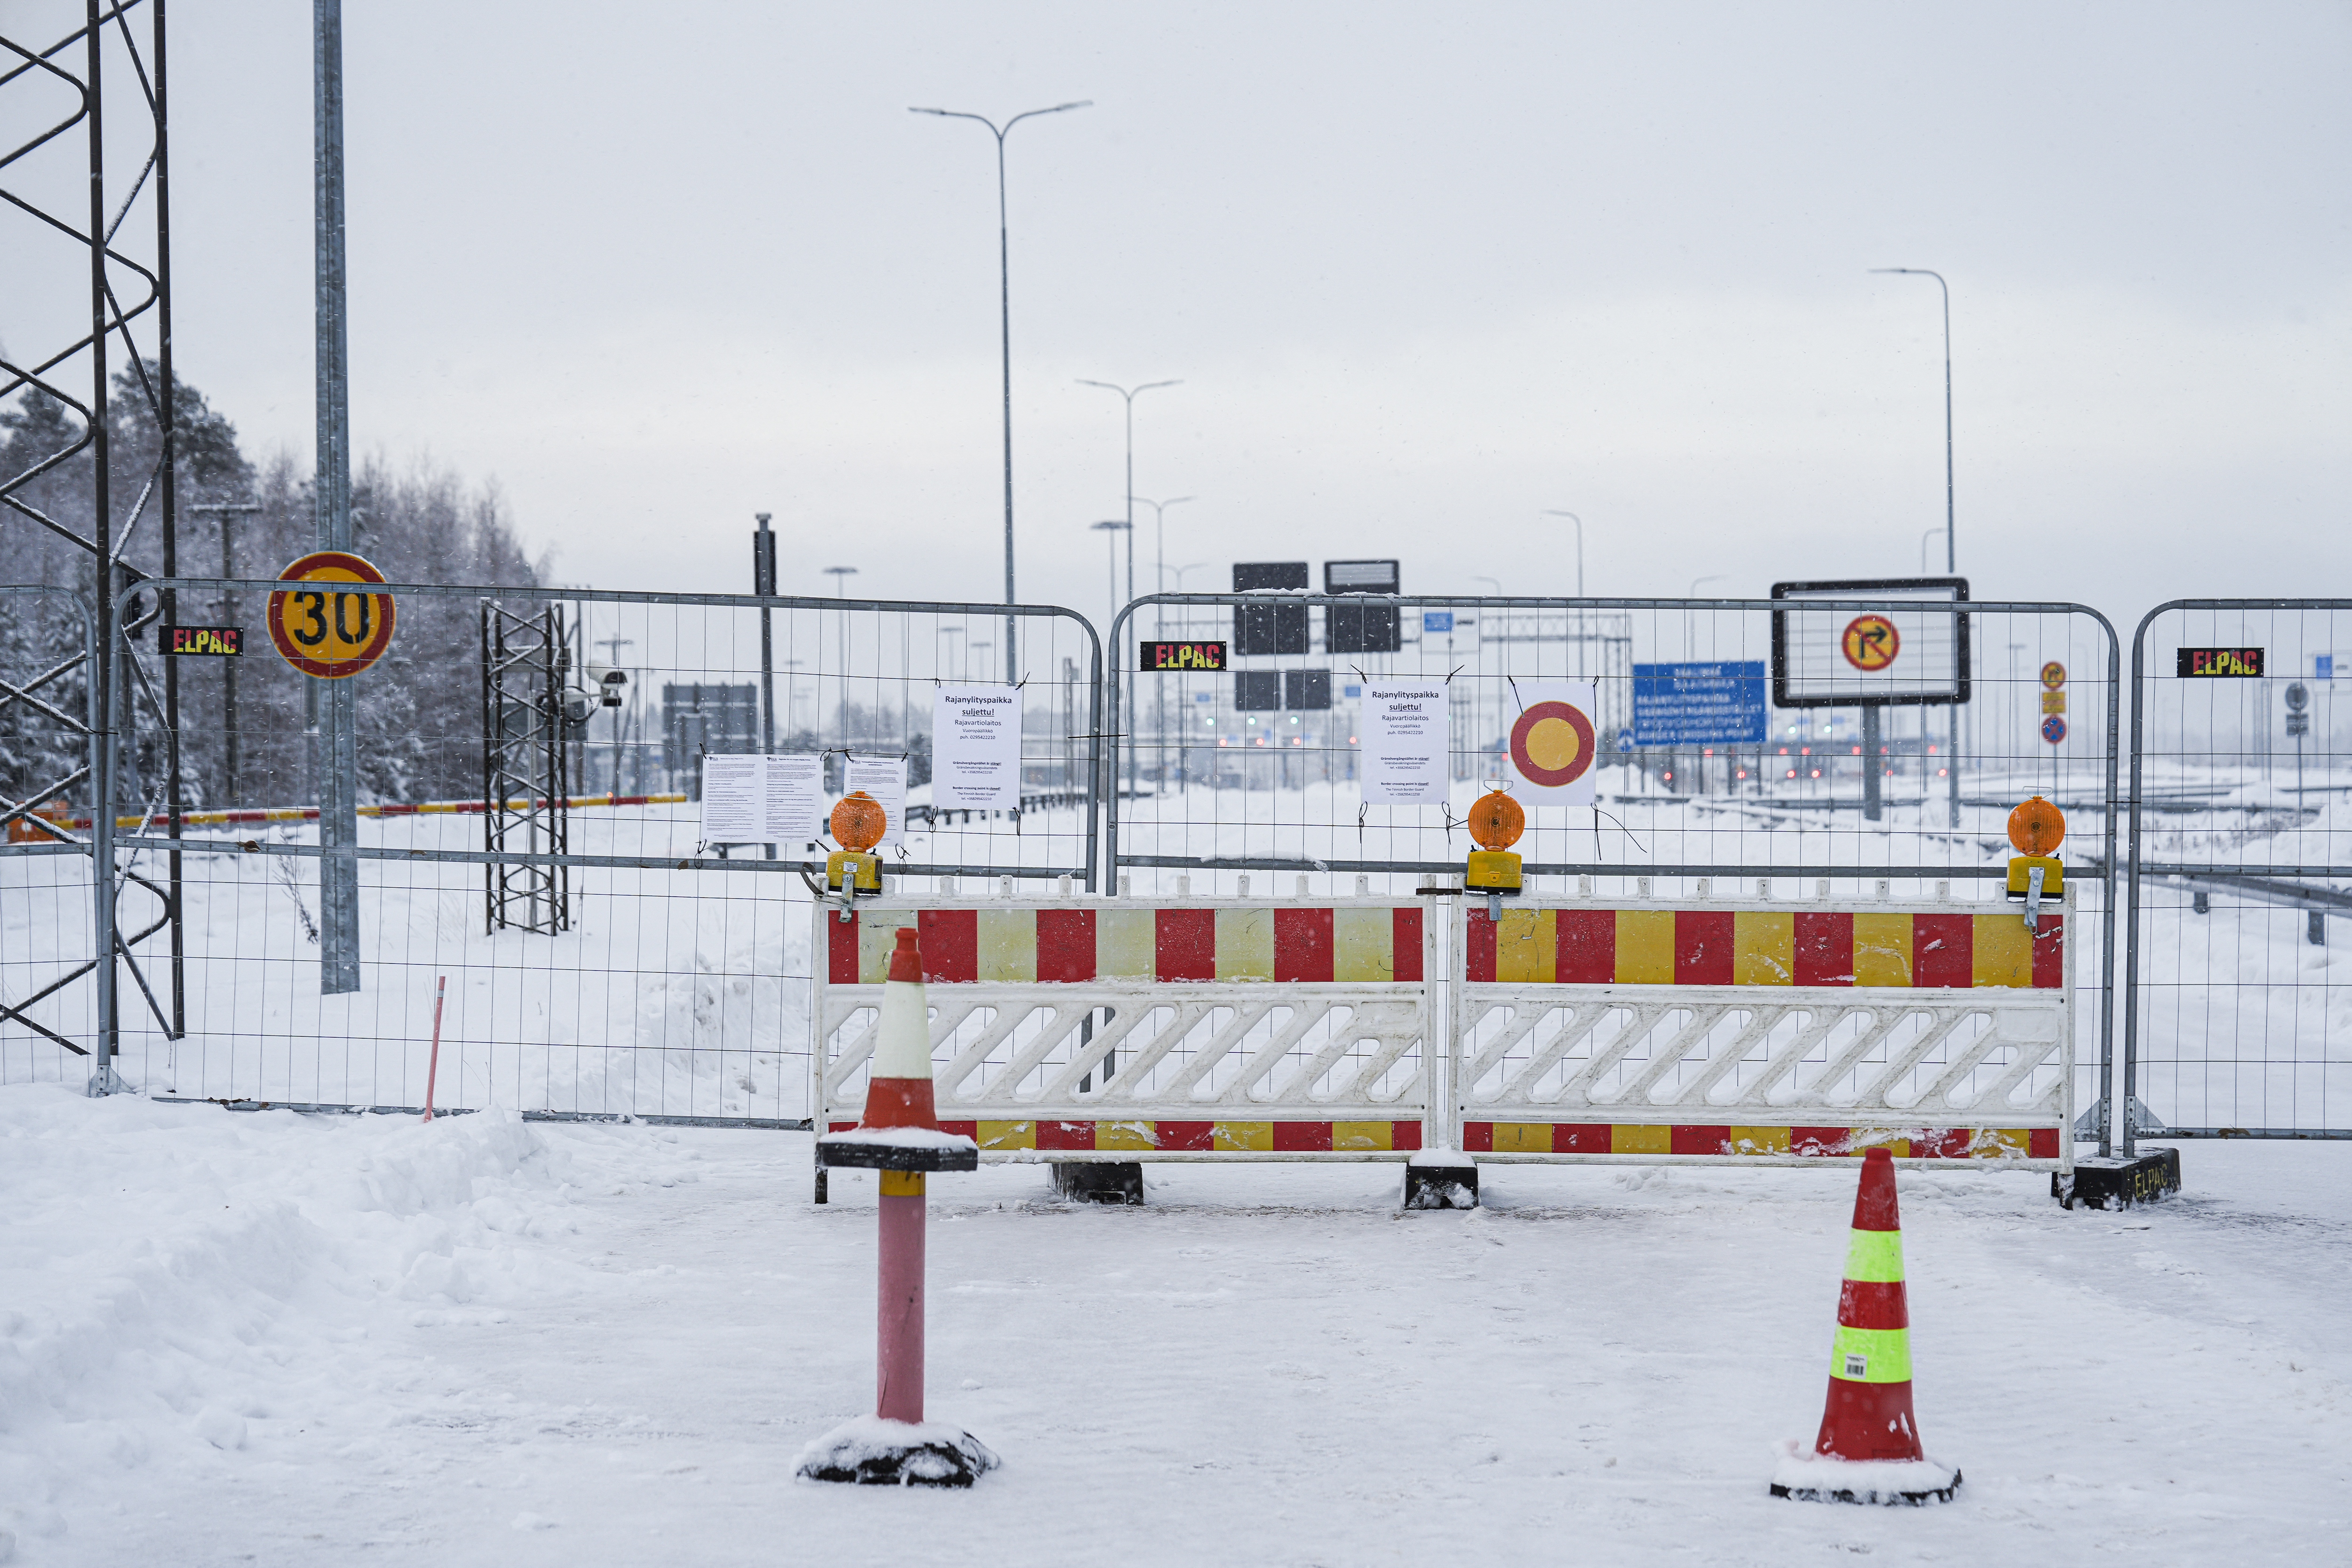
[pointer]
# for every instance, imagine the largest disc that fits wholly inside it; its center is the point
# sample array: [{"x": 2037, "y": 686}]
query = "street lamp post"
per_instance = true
[
  {"x": 1580, "y": 547},
  {"x": 1114, "y": 527},
  {"x": 1129, "y": 394},
  {"x": 1951, "y": 551},
  {"x": 1159, "y": 584},
  {"x": 227, "y": 510},
  {"x": 1004, "y": 308},
  {"x": 840, "y": 574}
]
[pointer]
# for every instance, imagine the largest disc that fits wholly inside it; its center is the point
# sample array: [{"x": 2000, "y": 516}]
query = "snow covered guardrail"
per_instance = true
[
  {"x": 1763, "y": 1032},
  {"x": 1096, "y": 1029}
]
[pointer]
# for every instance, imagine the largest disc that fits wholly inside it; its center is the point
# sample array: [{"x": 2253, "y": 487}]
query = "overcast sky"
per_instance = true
[{"x": 1424, "y": 273}]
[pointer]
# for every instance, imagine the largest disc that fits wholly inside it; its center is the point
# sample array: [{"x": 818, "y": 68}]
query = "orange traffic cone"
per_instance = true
[{"x": 1868, "y": 1449}]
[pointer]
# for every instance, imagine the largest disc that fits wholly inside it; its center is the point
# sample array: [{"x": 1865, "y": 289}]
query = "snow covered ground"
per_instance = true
[{"x": 262, "y": 1337}]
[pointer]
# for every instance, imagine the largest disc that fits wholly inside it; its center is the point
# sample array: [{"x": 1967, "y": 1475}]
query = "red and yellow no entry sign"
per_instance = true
[
  {"x": 1551, "y": 745},
  {"x": 323, "y": 628},
  {"x": 1870, "y": 643}
]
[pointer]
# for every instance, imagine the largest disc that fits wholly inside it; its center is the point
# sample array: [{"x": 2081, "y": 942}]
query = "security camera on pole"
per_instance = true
[{"x": 899, "y": 1136}]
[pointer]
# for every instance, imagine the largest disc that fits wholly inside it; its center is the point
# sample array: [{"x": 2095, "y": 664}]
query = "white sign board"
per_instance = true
[
  {"x": 884, "y": 778},
  {"x": 1554, "y": 745},
  {"x": 761, "y": 800},
  {"x": 1405, "y": 730},
  {"x": 1883, "y": 645},
  {"x": 976, "y": 748},
  {"x": 796, "y": 797}
]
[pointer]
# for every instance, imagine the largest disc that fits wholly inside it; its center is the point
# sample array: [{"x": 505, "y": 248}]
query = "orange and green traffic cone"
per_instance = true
[{"x": 1868, "y": 1449}]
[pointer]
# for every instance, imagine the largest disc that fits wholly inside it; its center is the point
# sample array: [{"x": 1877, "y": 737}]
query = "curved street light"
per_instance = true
[
  {"x": 1580, "y": 547},
  {"x": 1951, "y": 554},
  {"x": 1004, "y": 308}
]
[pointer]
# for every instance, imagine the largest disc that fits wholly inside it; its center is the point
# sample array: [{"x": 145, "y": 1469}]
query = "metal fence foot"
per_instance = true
[
  {"x": 1096, "y": 1182},
  {"x": 2119, "y": 1182}
]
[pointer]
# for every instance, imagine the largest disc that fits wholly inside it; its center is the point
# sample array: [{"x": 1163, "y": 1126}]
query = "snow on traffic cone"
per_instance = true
[
  {"x": 1868, "y": 1450},
  {"x": 899, "y": 1138}
]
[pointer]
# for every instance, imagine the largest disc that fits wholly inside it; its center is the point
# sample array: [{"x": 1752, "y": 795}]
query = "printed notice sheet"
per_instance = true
[
  {"x": 795, "y": 798},
  {"x": 763, "y": 800},
  {"x": 976, "y": 748},
  {"x": 1404, "y": 743},
  {"x": 884, "y": 778},
  {"x": 733, "y": 806}
]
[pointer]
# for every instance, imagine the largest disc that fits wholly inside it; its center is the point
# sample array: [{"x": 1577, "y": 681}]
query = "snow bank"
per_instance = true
[{"x": 171, "y": 1267}]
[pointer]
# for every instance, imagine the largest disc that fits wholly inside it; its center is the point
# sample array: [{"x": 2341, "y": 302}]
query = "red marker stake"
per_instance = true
[
  {"x": 432, "y": 1070},
  {"x": 898, "y": 1346},
  {"x": 899, "y": 1139}
]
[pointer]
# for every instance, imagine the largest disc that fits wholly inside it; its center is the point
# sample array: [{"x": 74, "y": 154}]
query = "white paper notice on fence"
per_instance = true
[
  {"x": 733, "y": 799},
  {"x": 884, "y": 778},
  {"x": 1555, "y": 743},
  {"x": 1404, "y": 743},
  {"x": 795, "y": 796},
  {"x": 763, "y": 800},
  {"x": 976, "y": 748}
]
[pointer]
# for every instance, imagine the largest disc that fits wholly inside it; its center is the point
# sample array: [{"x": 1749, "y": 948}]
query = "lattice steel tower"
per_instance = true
[{"x": 526, "y": 772}]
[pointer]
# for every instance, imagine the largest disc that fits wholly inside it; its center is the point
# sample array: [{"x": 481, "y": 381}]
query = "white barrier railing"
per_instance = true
[
  {"x": 1095, "y": 1029},
  {"x": 1090, "y": 1028},
  {"x": 1764, "y": 1032}
]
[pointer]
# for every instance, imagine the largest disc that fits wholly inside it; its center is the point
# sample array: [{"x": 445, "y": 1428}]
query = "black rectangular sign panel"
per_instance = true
[
  {"x": 2198, "y": 662},
  {"x": 207, "y": 642},
  {"x": 1272, "y": 627},
  {"x": 1257, "y": 691},
  {"x": 1186, "y": 656},
  {"x": 1257, "y": 576}
]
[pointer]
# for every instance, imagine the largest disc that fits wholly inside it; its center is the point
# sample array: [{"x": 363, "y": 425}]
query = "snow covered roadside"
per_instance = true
[{"x": 498, "y": 1342}]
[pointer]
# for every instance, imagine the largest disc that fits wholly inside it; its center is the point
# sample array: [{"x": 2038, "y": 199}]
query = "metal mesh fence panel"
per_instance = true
[
  {"x": 1247, "y": 780},
  {"x": 48, "y": 917},
  {"x": 660, "y": 973},
  {"x": 2239, "y": 1023}
]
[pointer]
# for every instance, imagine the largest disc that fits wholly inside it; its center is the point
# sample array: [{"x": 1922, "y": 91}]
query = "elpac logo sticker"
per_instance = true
[{"x": 2199, "y": 662}]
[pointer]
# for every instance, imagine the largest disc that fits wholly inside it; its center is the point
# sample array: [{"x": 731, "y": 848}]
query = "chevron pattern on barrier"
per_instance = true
[
  {"x": 1716, "y": 1056},
  {"x": 1236, "y": 1030}
]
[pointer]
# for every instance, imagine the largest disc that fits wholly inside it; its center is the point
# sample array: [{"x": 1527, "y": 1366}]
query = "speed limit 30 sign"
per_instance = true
[{"x": 323, "y": 627}]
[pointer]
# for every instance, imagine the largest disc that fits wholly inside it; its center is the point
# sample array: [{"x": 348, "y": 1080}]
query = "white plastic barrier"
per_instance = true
[
  {"x": 1095, "y": 1029},
  {"x": 1648, "y": 1030}
]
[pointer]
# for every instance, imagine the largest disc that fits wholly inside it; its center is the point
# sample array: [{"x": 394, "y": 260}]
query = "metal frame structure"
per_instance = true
[
  {"x": 114, "y": 310},
  {"x": 2106, "y": 872},
  {"x": 526, "y": 773},
  {"x": 2264, "y": 883}
]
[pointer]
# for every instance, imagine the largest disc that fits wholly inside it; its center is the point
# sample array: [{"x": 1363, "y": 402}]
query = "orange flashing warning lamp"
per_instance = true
[
  {"x": 858, "y": 822},
  {"x": 1495, "y": 821},
  {"x": 2036, "y": 829}
]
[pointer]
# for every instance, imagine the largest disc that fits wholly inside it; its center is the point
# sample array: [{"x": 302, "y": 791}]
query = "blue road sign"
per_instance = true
[
  {"x": 1624, "y": 739},
  {"x": 1719, "y": 704},
  {"x": 1436, "y": 620}
]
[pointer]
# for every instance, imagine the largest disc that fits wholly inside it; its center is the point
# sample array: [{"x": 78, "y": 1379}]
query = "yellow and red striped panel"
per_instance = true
[
  {"x": 1018, "y": 944},
  {"x": 1189, "y": 1137},
  {"x": 1764, "y": 947},
  {"x": 1826, "y": 1143}
]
